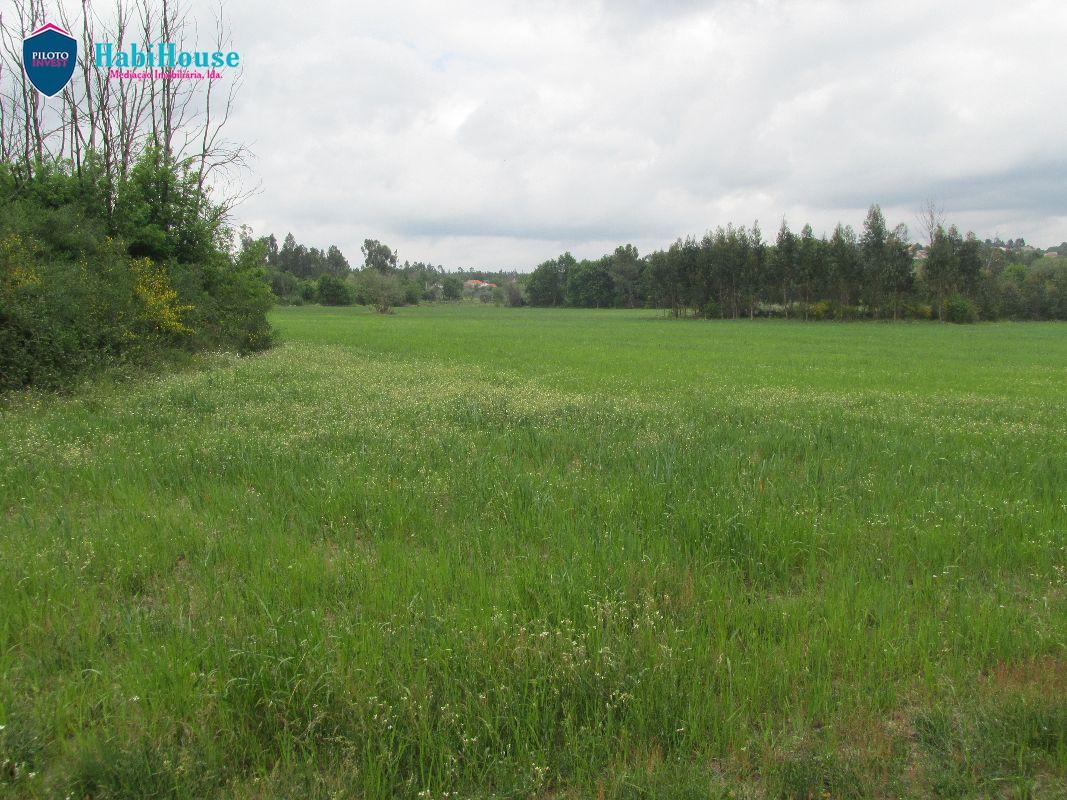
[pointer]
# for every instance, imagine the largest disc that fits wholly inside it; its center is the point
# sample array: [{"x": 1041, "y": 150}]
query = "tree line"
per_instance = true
[
  {"x": 731, "y": 272},
  {"x": 735, "y": 271},
  {"x": 298, "y": 274}
]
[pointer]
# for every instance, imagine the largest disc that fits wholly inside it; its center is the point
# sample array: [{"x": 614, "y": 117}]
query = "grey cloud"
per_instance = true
[
  {"x": 1034, "y": 188},
  {"x": 481, "y": 132}
]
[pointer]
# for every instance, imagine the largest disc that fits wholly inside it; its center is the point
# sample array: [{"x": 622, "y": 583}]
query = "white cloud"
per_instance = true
[{"x": 500, "y": 133}]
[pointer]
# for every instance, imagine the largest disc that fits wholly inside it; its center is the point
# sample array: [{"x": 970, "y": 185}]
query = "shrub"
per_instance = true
[
  {"x": 918, "y": 311},
  {"x": 710, "y": 310},
  {"x": 959, "y": 309},
  {"x": 230, "y": 306},
  {"x": 285, "y": 285},
  {"x": 79, "y": 291},
  {"x": 333, "y": 291},
  {"x": 383, "y": 291},
  {"x": 513, "y": 294},
  {"x": 846, "y": 312},
  {"x": 60, "y": 318},
  {"x": 411, "y": 293},
  {"x": 820, "y": 310}
]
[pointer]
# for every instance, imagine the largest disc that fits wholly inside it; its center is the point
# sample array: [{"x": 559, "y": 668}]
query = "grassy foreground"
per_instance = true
[{"x": 480, "y": 552}]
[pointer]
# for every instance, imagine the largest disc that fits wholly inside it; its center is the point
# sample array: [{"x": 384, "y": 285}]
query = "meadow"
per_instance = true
[{"x": 470, "y": 552}]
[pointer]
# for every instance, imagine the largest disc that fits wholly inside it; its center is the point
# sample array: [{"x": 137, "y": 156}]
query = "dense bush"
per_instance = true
[
  {"x": 333, "y": 291},
  {"x": 92, "y": 275},
  {"x": 959, "y": 309},
  {"x": 291, "y": 290},
  {"x": 918, "y": 311},
  {"x": 513, "y": 294},
  {"x": 823, "y": 309},
  {"x": 383, "y": 290},
  {"x": 411, "y": 293}
]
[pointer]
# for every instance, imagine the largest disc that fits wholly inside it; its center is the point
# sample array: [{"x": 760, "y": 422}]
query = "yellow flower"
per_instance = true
[
  {"x": 16, "y": 275},
  {"x": 160, "y": 299}
]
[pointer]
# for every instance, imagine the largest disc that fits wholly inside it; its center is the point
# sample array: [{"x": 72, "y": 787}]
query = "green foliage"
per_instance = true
[
  {"x": 959, "y": 309},
  {"x": 382, "y": 290},
  {"x": 378, "y": 256},
  {"x": 303, "y": 262},
  {"x": 627, "y": 276},
  {"x": 1042, "y": 292},
  {"x": 161, "y": 213},
  {"x": 590, "y": 285},
  {"x": 547, "y": 284},
  {"x": 879, "y": 274},
  {"x": 81, "y": 289},
  {"x": 823, "y": 309},
  {"x": 452, "y": 288},
  {"x": 410, "y": 292},
  {"x": 288, "y": 288},
  {"x": 846, "y": 312},
  {"x": 941, "y": 270},
  {"x": 296, "y": 273},
  {"x": 333, "y": 291},
  {"x": 513, "y": 293},
  {"x": 300, "y": 275},
  {"x": 918, "y": 311}
]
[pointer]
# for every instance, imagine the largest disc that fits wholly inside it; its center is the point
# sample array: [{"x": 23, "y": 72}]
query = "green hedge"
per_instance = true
[{"x": 91, "y": 277}]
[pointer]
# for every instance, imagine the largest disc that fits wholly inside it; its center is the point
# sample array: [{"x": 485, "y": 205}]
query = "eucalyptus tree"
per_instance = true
[
  {"x": 844, "y": 266},
  {"x": 336, "y": 263},
  {"x": 378, "y": 256},
  {"x": 754, "y": 268},
  {"x": 627, "y": 272},
  {"x": 942, "y": 267},
  {"x": 547, "y": 284},
  {"x": 899, "y": 268},
  {"x": 591, "y": 285},
  {"x": 784, "y": 266},
  {"x": 873, "y": 246},
  {"x": 809, "y": 267}
]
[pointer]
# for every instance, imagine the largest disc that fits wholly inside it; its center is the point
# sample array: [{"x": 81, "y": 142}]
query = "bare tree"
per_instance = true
[
  {"x": 117, "y": 119},
  {"x": 23, "y": 112},
  {"x": 931, "y": 217}
]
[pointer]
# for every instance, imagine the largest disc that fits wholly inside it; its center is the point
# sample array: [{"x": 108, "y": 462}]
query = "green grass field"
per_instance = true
[{"x": 479, "y": 552}]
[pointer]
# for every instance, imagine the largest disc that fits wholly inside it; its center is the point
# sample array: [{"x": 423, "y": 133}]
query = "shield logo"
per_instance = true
[{"x": 49, "y": 55}]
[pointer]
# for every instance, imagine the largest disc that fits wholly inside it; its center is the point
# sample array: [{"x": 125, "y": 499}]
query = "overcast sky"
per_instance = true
[{"x": 499, "y": 134}]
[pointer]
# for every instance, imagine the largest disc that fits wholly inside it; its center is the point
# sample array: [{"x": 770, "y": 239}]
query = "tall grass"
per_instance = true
[{"x": 480, "y": 552}]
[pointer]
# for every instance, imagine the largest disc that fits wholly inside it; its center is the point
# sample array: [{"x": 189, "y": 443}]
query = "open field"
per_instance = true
[{"x": 478, "y": 552}]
